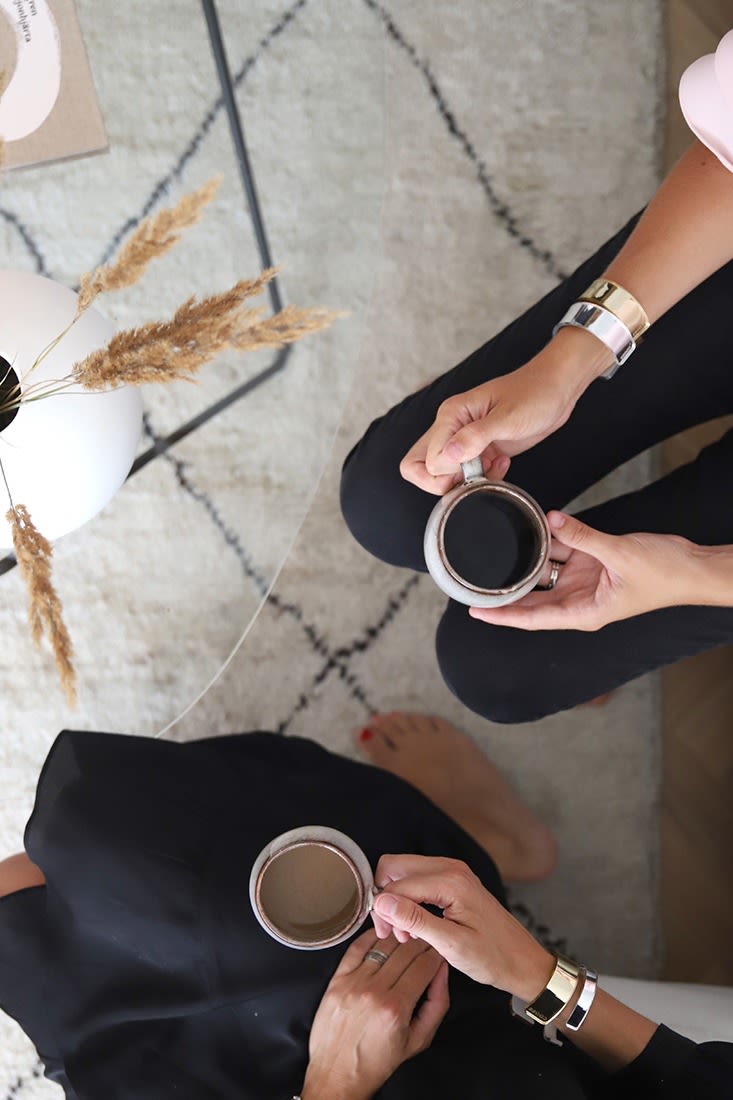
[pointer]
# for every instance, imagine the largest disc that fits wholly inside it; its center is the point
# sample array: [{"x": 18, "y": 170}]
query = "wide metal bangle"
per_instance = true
[
  {"x": 606, "y": 293},
  {"x": 605, "y": 326},
  {"x": 585, "y": 1000},
  {"x": 557, "y": 993}
]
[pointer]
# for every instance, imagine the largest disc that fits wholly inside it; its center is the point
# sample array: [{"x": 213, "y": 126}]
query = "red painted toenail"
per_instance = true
[{"x": 366, "y": 735}]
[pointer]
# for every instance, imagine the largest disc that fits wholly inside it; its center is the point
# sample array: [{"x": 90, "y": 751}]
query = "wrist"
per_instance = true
[
  {"x": 326, "y": 1085},
  {"x": 709, "y": 579},
  {"x": 577, "y": 358},
  {"x": 537, "y": 966}
]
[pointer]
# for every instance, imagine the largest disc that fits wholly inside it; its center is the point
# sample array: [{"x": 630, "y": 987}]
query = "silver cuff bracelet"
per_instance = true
[
  {"x": 585, "y": 1000},
  {"x": 605, "y": 326}
]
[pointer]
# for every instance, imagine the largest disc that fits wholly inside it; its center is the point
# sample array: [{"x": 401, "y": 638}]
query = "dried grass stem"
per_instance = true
[
  {"x": 45, "y": 611},
  {"x": 152, "y": 238},
  {"x": 162, "y": 351}
]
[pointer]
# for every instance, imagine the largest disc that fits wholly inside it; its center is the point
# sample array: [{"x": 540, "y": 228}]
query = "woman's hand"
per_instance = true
[
  {"x": 605, "y": 578},
  {"x": 507, "y": 415},
  {"x": 366, "y": 1025},
  {"x": 476, "y": 934}
]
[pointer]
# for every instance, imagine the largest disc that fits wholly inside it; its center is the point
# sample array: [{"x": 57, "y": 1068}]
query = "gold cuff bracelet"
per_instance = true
[{"x": 609, "y": 295}]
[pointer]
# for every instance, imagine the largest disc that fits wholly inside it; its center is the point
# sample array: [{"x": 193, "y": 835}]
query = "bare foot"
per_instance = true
[{"x": 446, "y": 766}]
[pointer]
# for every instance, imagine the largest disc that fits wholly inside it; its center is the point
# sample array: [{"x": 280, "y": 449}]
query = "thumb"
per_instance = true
[
  {"x": 579, "y": 536},
  {"x": 407, "y": 916},
  {"x": 470, "y": 441}
]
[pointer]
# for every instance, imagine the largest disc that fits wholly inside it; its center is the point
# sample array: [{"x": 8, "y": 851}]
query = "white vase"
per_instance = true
[{"x": 64, "y": 456}]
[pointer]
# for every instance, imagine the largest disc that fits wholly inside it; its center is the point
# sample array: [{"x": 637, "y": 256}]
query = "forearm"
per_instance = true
[
  {"x": 684, "y": 235},
  {"x": 612, "y": 1033}
]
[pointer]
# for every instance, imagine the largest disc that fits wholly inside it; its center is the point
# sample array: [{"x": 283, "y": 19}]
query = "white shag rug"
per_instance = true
[{"x": 401, "y": 151}]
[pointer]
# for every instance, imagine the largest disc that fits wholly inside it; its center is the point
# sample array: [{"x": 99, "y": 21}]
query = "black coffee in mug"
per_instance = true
[
  {"x": 486, "y": 542},
  {"x": 490, "y": 541}
]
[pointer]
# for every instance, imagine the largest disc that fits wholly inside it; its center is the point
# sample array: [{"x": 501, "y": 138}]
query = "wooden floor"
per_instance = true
[{"x": 697, "y": 795}]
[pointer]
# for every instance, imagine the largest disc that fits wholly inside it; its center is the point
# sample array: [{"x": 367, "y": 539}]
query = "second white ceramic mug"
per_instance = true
[{"x": 291, "y": 880}]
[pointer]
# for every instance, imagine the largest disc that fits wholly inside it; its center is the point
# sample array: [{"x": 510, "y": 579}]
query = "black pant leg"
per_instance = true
[
  {"x": 681, "y": 375},
  {"x": 510, "y": 675}
]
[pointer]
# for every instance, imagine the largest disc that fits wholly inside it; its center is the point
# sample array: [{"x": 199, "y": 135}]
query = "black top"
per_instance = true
[{"x": 140, "y": 972}]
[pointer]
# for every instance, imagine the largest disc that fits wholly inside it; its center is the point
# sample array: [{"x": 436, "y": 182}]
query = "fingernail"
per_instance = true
[
  {"x": 454, "y": 451},
  {"x": 386, "y": 905},
  {"x": 556, "y": 520},
  {"x": 366, "y": 735}
]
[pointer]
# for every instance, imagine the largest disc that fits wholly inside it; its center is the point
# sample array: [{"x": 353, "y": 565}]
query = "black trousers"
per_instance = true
[{"x": 681, "y": 375}]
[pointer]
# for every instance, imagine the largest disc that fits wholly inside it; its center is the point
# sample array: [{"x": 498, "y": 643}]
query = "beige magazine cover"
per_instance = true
[{"x": 48, "y": 106}]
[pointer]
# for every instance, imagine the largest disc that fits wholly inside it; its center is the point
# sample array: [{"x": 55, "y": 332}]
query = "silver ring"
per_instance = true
[
  {"x": 376, "y": 956},
  {"x": 554, "y": 574}
]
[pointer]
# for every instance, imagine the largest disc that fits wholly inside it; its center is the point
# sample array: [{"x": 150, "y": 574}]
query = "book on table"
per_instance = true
[{"x": 48, "y": 104}]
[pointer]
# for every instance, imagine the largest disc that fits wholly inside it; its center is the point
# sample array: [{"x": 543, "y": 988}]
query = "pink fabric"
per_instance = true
[{"x": 706, "y": 98}]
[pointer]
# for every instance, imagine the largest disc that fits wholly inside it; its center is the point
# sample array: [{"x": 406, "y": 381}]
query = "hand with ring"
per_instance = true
[
  {"x": 594, "y": 579},
  {"x": 366, "y": 1025}
]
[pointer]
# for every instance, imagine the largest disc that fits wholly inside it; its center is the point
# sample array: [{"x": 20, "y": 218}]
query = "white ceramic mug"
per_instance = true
[
  {"x": 519, "y": 508},
  {"x": 311, "y": 887}
]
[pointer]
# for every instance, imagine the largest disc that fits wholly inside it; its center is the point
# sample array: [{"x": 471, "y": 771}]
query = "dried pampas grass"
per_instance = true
[
  {"x": 45, "y": 612},
  {"x": 162, "y": 351},
  {"x": 152, "y": 238}
]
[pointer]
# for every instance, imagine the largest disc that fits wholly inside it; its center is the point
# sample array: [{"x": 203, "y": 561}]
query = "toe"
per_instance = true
[
  {"x": 418, "y": 725},
  {"x": 372, "y": 743},
  {"x": 392, "y": 726}
]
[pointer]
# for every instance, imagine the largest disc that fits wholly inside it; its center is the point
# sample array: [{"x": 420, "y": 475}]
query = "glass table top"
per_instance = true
[{"x": 159, "y": 588}]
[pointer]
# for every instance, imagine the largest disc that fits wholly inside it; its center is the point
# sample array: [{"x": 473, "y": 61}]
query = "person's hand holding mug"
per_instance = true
[
  {"x": 507, "y": 415},
  {"x": 366, "y": 1025},
  {"x": 476, "y": 934},
  {"x": 605, "y": 578}
]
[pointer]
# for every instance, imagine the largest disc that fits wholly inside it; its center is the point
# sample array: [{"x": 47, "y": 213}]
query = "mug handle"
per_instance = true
[{"x": 472, "y": 469}]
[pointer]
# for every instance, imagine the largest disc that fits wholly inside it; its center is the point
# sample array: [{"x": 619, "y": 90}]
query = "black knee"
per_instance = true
[
  {"x": 383, "y": 512},
  {"x": 505, "y": 675}
]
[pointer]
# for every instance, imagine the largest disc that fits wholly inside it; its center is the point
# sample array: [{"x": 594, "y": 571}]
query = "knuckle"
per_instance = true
[
  {"x": 350, "y": 998},
  {"x": 372, "y": 998},
  {"x": 391, "y": 1012},
  {"x": 461, "y": 872}
]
